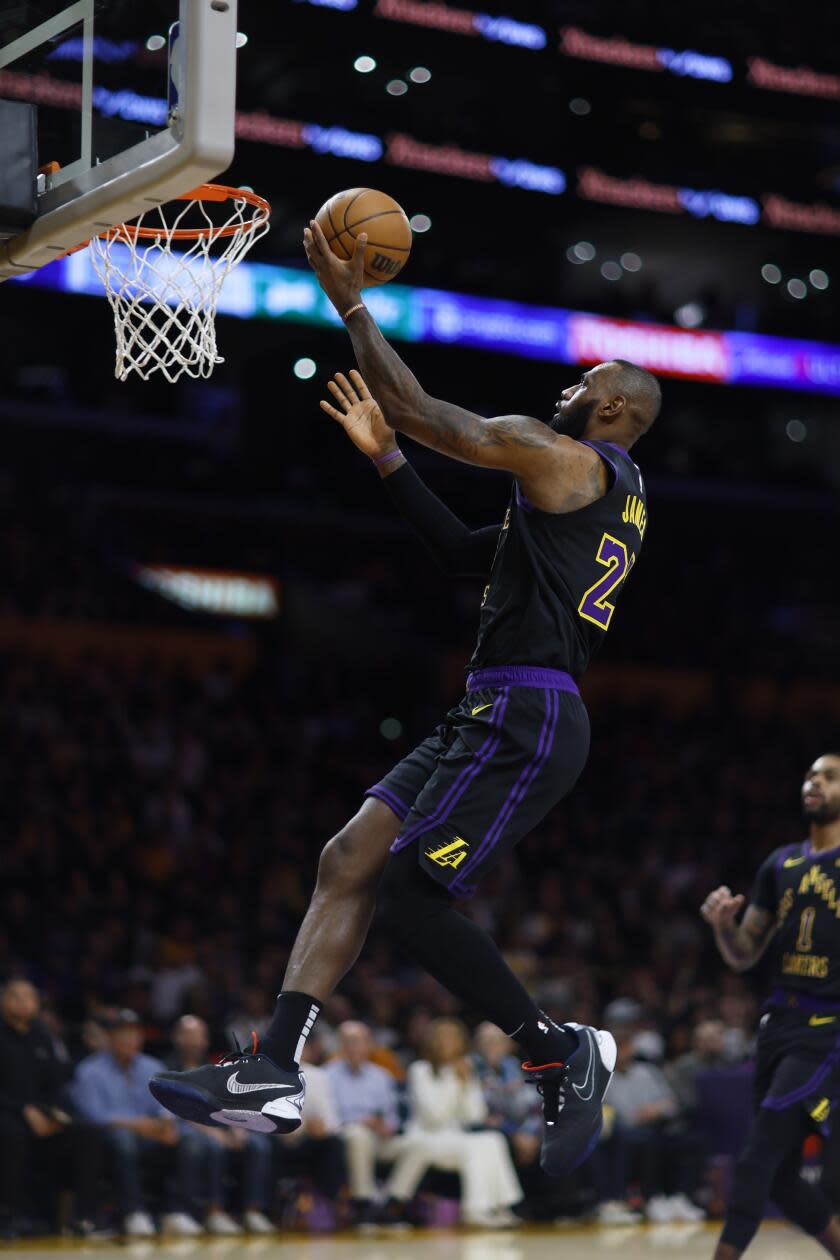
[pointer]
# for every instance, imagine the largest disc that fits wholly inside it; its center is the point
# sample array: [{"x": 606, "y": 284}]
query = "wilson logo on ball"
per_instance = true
[{"x": 380, "y": 262}]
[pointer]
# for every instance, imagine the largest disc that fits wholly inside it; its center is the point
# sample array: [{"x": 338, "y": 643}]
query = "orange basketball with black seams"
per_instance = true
[{"x": 356, "y": 210}]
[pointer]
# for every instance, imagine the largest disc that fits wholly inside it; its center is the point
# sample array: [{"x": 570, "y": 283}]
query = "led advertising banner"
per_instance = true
[{"x": 265, "y": 291}]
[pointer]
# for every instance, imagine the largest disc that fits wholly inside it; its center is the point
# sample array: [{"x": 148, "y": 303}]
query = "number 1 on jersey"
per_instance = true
[{"x": 595, "y": 605}]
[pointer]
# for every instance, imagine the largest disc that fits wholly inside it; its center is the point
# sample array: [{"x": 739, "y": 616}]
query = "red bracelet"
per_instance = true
[{"x": 379, "y": 460}]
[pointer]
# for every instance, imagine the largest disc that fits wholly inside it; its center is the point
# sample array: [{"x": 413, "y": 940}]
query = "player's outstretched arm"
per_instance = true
[
  {"x": 740, "y": 944},
  {"x": 457, "y": 549},
  {"x": 557, "y": 474}
]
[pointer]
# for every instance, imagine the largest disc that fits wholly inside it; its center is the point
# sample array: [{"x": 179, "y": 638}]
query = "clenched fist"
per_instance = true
[{"x": 720, "y": 907}]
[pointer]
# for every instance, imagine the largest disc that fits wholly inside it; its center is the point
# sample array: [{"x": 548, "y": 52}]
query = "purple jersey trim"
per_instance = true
[
  {"x": 786, "y": 852},
  {"x": 444, "y": 808},
  {"x": 787, "y": 1000},
  {"x": 518, "y": 792},
  {"x": 606, "y": 460},
  {"x": 819, "y": 855},
  {"x": 525, "y": 504},
  {"x": 521, "y": 676},
  {"x": 390, "y": 799},
  {"x": 783, "y": 1101}
]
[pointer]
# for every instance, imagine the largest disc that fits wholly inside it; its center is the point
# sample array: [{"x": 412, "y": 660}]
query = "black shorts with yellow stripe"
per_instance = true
[
  {"x": 504, "y": 755},
  {"x": 798, "y": 1060}
]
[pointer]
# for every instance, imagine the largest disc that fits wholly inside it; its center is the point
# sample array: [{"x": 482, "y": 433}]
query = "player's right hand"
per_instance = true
[
  {"x": 359, "y": 415},
  {"x": 720, "y": 907}
]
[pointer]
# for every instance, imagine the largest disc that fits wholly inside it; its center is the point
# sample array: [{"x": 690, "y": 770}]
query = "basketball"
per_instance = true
[{"x": 356, "y": 210}]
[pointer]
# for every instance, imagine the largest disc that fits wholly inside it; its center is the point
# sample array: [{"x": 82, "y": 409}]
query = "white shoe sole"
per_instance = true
[{"x": 279, "y": 1115}]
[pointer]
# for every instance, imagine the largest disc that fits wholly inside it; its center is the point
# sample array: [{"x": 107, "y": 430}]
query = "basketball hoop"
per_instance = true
[{"x": 165, "y": 300}]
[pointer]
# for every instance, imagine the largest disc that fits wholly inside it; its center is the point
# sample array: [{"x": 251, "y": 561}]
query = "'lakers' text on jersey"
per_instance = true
[
  {"x": 556, "y": 576},
  {"x": 802, "y": 889}
]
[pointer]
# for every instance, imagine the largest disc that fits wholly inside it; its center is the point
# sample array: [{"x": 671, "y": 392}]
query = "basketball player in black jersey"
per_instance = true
[
  {"x": 794, "y": 908},
  {"x": 512, "y": 747}
]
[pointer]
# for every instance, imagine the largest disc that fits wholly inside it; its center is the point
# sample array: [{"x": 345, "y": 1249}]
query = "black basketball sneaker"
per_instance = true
[
  {"x": 573, "y": 1096},
  {"x": 245, "y": 1090}
]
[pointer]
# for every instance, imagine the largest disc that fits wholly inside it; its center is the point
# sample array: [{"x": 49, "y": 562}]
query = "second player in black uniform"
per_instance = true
[
  {"x": 503, "y": 756},
  {"x": 794, "y": 910}
]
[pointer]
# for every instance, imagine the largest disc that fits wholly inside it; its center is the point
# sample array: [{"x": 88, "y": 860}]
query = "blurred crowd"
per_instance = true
[
  {"x": 161, "y": 832},
  {"x": 408, "y": 1126}
]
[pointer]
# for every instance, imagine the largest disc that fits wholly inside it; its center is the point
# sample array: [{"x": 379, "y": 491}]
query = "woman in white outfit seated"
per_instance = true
[{"x": 446, "y": 1101}]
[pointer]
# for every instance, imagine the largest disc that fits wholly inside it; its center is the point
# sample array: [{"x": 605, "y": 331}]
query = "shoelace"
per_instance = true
[
  {"x": 233, "y": 1056},
  {"x": 551, "y": 1089}
]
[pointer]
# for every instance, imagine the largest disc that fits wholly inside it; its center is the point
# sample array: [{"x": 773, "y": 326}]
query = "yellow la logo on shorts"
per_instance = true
[
  {"x": 451, "y": 854},
  {"x": 820, "y": 1112}
]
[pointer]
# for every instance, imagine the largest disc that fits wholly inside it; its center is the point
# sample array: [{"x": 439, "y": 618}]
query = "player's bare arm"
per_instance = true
[
  {"x": 556, "y": 473},
  {"x": 740, "y": 944}
]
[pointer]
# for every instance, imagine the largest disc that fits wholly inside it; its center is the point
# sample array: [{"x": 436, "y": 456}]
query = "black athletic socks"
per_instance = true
[
  {"x": 292, "y": 1022},
  {"x": 543, "y": 1040}
]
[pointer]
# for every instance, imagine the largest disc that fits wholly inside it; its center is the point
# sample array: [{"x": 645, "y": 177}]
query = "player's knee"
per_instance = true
[{"x": 356, "y": 856}]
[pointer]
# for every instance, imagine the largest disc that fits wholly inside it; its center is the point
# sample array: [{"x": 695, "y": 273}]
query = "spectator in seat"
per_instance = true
[
  {"x": 447, "y": 1115},
  {"x": 365, "y": 1098},
  {"x": 111, "y": 1090},
  {"x": 662, "y": 1147},
  {"x": 37, "y": 1135},
  {"x": 708, "y": 1050},
  {"x": 221, "y": 1147}
]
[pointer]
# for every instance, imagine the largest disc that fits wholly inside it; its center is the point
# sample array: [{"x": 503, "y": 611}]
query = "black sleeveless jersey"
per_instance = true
[
  {"x": 802, "y": 889},
  {"x": 556, "y": 576}
]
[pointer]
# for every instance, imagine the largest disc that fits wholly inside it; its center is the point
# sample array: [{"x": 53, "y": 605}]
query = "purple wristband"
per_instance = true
[{"x": 379, "y": 460}]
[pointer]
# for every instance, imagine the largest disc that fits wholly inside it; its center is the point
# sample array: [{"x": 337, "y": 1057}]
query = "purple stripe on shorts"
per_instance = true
[
  {"x": 783, "y": 1101},
  {"x": 521, "y": 676},
  {"x": 519, "y": 790},
  {"x": 390, "y": 799},
  {"x": 464, "y": 779}
]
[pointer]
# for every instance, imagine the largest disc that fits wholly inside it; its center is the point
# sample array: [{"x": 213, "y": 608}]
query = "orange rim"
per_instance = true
[{"x": 204, "y": 192}]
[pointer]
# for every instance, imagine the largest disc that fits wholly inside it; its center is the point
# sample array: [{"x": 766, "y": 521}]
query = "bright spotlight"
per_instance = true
[
  {"x": 690, "y": 315},
  {"x": 305, "y": 369}
]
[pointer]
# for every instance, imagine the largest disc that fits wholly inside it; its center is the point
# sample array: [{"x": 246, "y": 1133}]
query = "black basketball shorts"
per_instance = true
[
  {"x": 798, "y": 1059},
  {"x": 510, "y": 750}
]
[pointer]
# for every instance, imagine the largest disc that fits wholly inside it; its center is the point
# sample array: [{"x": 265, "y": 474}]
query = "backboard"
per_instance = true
[{"x": 137, "y": 105}]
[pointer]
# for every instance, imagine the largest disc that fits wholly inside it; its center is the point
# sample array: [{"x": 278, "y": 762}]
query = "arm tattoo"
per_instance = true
[{"x": 440, "y": 425}]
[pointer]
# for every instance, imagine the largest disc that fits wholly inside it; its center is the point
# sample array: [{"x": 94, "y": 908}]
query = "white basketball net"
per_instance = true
[{"x": 164, "y": 291}]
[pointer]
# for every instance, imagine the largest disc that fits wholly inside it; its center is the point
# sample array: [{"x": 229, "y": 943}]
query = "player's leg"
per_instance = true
[
  {"x": 500, "y": 776},
  {"x": 263, "y": 1089},
  {"x": 792, "y": 1062}
]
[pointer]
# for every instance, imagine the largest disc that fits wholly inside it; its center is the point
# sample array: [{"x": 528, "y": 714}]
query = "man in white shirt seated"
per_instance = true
[{"x": 365, "y": 1098}]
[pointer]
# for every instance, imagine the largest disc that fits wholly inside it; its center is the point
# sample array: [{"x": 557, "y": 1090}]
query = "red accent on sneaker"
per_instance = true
[
  {"x": 254, "y": 1041},
  {"x": 528, "y": 1066}
]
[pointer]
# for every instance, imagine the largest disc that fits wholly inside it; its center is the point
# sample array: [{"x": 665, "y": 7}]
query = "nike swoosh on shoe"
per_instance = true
[{"x": 242, "y": 1087}]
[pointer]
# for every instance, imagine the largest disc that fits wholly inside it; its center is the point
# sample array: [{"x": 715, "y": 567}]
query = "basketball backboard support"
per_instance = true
[{"x": 194, "y": 144}]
